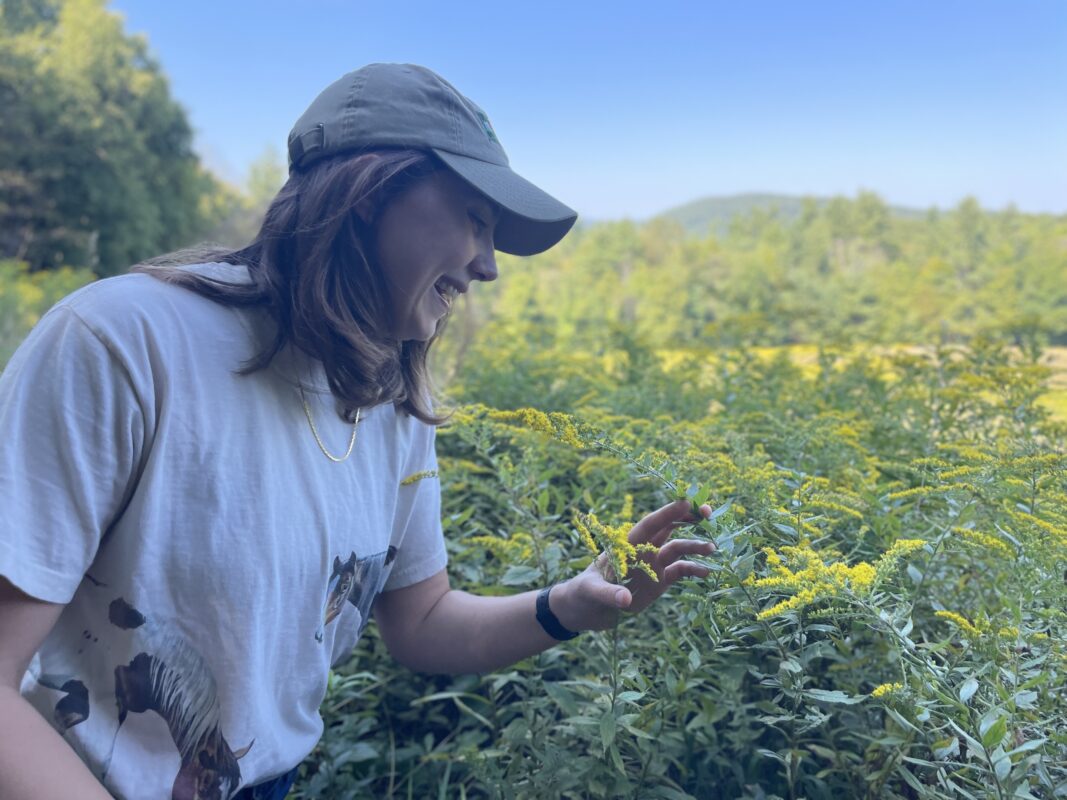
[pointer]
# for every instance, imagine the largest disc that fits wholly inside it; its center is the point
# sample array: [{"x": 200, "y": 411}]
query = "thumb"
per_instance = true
[{"x": 611, "y": 595}]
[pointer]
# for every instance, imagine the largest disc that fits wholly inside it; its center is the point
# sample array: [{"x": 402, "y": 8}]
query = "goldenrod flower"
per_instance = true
[
  {"x": 917, "y": 491},
  {"x": 809, "y": 577},
  {"x": 886, "y": 688},
  {"x": 1057, "y": 535},
  {"x": 966, "y": 451},
  {"x": 587, "y": 537},
  {"x": 960, "y": 622},
  {"x": 959, "y": 472},
  {"x": 415, "y": 477},
  {"x": 803, "y": 598},
  {"x": 614, "y": 542},
  {"x": 832, "y": 506},
  {"x": 517, "y": 548},
  {"x": 902, "y": 547},
  {"x": 929, "y": 461},
  {"x": 559, "y": 426},
  {"x": 984, "y": 540}
]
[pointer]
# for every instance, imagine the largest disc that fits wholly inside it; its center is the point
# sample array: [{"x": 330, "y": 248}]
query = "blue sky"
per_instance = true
[{"x": 627, "y": 108}]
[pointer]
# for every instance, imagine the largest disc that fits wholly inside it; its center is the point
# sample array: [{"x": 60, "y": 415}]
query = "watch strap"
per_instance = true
[{"x": 549, "y": 621}]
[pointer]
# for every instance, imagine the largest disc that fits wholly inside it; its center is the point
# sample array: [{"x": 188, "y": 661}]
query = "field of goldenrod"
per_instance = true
[
  {"x": 885, "y": 615},
  {"x": 879, "y": 424}
]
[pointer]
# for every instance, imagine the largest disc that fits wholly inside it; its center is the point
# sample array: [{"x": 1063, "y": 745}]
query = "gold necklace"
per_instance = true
[{"x": 318, "y": 439}]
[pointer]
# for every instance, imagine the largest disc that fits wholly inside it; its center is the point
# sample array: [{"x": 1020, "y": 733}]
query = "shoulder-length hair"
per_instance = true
[{"x": 313, "y": 270}]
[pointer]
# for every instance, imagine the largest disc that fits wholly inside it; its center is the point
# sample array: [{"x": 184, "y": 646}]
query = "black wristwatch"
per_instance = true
[{"x": 549, "y": 621}]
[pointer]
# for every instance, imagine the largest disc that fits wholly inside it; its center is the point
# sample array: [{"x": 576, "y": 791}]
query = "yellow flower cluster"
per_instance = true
[
  {"x": 829, "y": 505},
  {"x": 986, "y": 541},
  {"x": 614, "y": 542},
  {"x": 889, "y": 560},
  {"x": 960, "y": 622},
  {"x": 886, "y": 688},
  {"x": 917, "y": 491},
  {"x": 966, "y": 451},
  {"x": 517, "y": 548},
  {"x": 452, "y": 465},
  {"x": 415, "y": 477},
  {"x": 901, "y": 548},
  {"x": 811, "y": 579},
  {"x": 559, "y": 426},
  {"x": 959, "y": 472},
  {"x": 929, "y": 461},
  {"x": 1057, "y": 535},
  {"x": 1048, "y": 460}
]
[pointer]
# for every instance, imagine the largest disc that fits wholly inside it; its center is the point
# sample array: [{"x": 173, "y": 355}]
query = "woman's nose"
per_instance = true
[{"x": 483, "y": 267}]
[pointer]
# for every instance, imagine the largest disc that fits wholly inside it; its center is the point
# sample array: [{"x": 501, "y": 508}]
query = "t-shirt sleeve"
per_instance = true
[
  {"x": 421, "y": 552},
  {"x": 73, "y": 433}
]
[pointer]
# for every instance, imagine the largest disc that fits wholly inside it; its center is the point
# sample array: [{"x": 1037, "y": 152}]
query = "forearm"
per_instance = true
[
  {"x": 469, "y": 633},
  {"x": 35, "y": 762}
]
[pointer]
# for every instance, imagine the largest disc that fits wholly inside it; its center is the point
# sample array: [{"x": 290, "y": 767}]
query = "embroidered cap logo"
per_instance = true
[{"x": 488, "y": 127}]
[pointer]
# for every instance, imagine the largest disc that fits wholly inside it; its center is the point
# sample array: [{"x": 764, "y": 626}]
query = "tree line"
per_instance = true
[
  {"x": 98, "y": 171},
  {"x": 97, "y": 168}
]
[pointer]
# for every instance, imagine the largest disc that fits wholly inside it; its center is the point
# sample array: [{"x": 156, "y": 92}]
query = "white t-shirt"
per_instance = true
[{"x": 214, "y": 562}]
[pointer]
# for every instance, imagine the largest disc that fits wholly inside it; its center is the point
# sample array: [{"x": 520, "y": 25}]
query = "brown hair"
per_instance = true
[{"x": 313, "y": 270}]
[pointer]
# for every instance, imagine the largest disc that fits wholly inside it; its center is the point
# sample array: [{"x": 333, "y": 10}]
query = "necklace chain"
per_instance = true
[{"x": 318, "y": 439}]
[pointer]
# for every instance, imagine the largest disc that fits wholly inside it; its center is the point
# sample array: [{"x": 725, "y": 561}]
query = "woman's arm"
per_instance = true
[
  {"x": 35, "y": 762},
  {"x": 430, "y": 627}
]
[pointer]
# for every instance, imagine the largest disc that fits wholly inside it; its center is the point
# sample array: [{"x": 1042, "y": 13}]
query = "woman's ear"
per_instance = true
[{"x": 365, "y": 211}]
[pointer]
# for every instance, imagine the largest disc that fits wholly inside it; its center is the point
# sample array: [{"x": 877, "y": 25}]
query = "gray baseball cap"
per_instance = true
[{"x": 405, "y": 105}]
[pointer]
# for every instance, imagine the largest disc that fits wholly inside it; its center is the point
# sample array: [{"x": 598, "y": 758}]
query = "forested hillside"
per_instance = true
[{"x": 714, "y": 214}]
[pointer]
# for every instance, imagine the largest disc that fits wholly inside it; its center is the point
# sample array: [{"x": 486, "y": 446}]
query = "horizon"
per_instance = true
[{"x": 640, "y": 110}]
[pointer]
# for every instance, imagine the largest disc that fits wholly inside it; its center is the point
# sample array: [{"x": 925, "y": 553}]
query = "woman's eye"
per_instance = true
[{"x": 479, "y": 223}]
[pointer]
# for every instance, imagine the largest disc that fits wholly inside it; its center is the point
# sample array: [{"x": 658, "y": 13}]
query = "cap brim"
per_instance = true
[{"x": 531, "y": 220}]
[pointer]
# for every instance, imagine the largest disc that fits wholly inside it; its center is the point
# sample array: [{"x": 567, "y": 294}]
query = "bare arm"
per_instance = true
[
  {"x": 430, "y": 627},
  {"x": 35, "y": 762}
]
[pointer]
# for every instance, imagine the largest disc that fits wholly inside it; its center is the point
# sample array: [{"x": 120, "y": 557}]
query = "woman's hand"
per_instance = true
[{"x": 589, "y": 601}]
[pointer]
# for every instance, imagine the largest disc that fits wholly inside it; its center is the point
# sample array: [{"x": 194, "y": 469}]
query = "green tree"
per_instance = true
[{"x": 98, "y": 168}]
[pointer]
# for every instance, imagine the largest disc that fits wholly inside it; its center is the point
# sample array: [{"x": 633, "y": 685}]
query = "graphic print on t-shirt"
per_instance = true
[
  {"x": 358, "y": 581},
  {"x": 172, "y": 679},
  {"x": 73, "y": 707}
]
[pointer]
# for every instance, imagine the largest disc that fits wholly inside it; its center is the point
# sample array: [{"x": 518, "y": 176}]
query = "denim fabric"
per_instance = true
[{"x": 274, "y": 789}]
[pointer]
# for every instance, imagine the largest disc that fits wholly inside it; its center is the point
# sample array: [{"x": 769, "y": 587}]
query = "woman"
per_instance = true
[{"x": 211, "y": 473}]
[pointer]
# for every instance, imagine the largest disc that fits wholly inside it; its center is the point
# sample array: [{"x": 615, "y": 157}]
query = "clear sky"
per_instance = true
[{"x": 627, "y": 108}]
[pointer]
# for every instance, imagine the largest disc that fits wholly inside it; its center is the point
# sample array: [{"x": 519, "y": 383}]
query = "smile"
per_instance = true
[{"x": 446, "y": 290}]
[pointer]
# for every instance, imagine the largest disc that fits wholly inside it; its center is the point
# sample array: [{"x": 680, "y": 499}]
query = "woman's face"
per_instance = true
[{"x": 432, "y": 242}]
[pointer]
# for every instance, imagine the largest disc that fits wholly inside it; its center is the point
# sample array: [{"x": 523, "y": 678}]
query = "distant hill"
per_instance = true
[{"x": 715, "y": 213}]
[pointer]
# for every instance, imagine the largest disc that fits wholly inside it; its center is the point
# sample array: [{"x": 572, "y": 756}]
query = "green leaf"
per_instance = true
[
  {"x": 562, "y": 696},
  {"x": 1025, "y": 699},
  {"x": 519, "y": 575},
  {"x": 1002, "y": 767},
  {"x": 1026, "y": 747},
  {"x": 944, "y": 748},
  {"x": 995, "y": 735},
  {"x": 967, "y": 690},
  {"x": 832, "y": 696},
  {"x": 718, "y": 512},
  {"x": 607, "y": 728}
]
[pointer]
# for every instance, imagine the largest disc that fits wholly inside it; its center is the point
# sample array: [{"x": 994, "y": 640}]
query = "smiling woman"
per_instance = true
[
  {"x": 196, "y": 548},
  {"x": 431, "y": 243}
]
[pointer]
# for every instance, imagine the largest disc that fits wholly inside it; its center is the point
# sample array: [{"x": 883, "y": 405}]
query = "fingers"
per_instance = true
[
  {"x": 656, "y": 527},
  {"x": 664, "y": 533},
  {"x": 684, "y": 569},
  {"x": 679, "y": 548}
]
